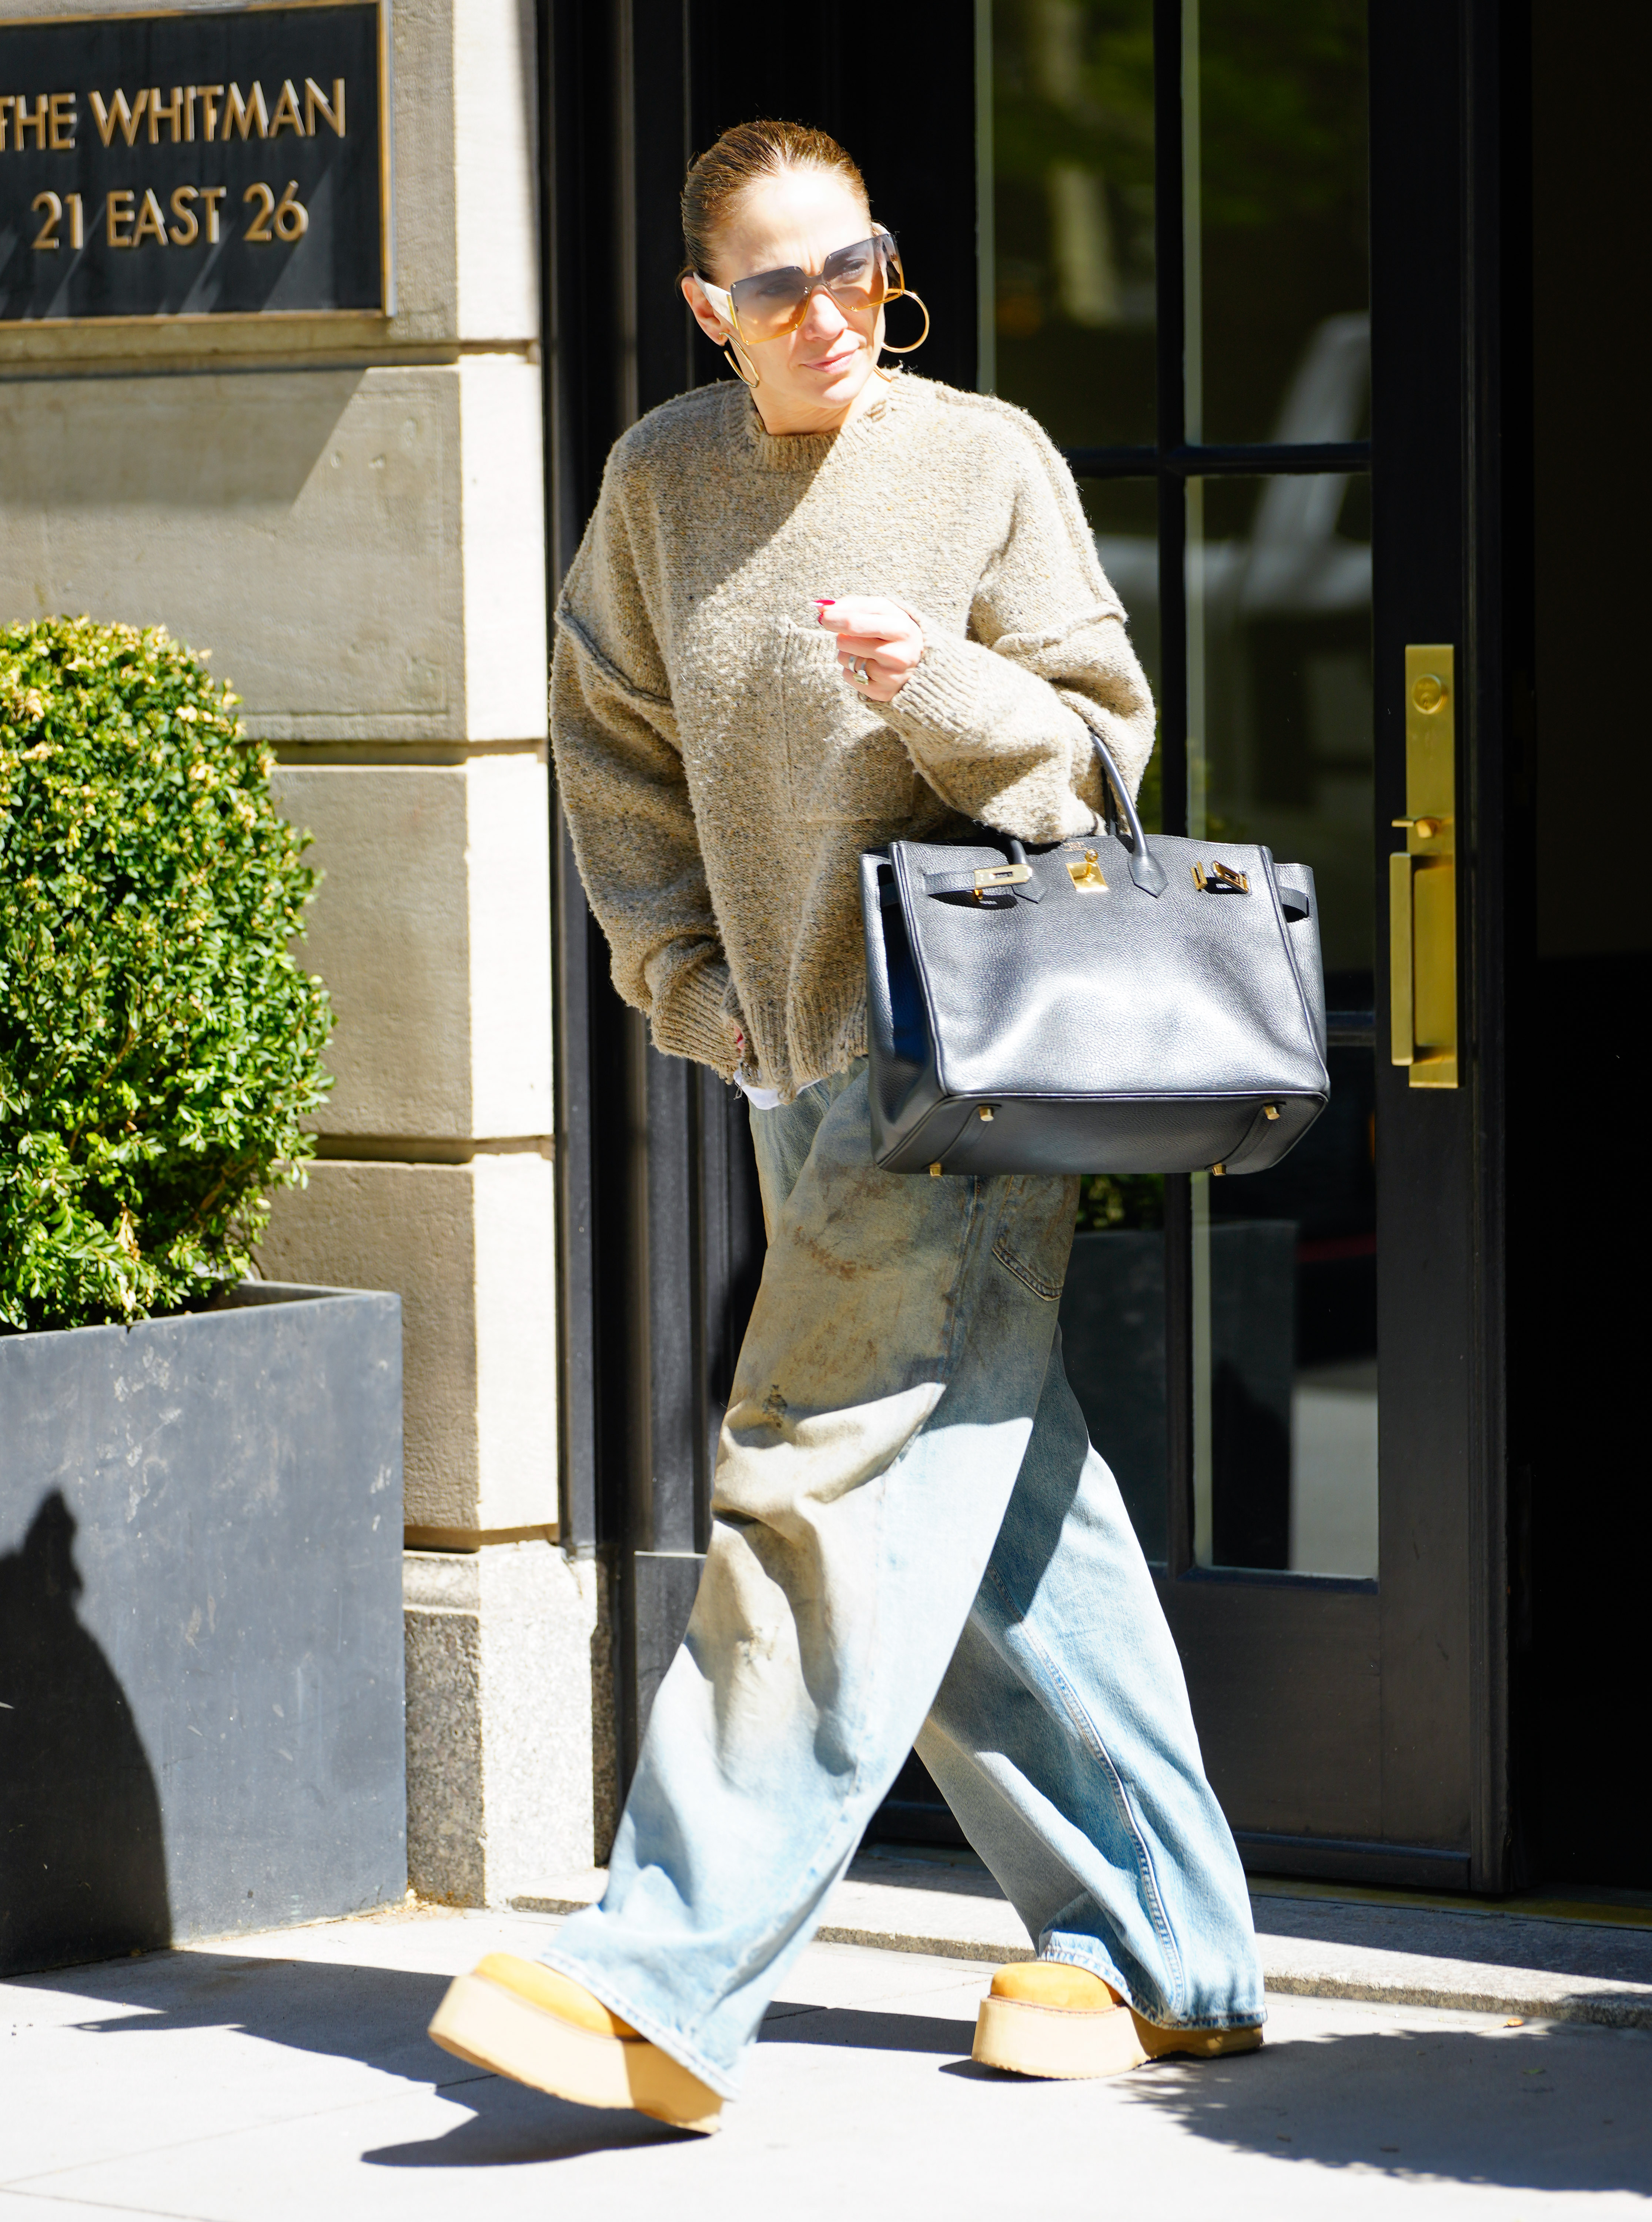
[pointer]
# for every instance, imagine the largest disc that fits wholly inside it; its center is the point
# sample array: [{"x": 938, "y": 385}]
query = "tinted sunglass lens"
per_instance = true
[
  {"x": 855, "y": 275},
  {"x": 768, "y": 304}
]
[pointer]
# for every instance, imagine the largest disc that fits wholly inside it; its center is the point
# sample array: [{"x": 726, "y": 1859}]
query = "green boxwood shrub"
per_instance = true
[{"x": 159, "y": 1046}]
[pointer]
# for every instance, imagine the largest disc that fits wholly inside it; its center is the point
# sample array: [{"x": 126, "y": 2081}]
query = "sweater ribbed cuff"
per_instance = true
[
  {"x": 691, "y": 1021},
  {"x": 943, "y": 695}
]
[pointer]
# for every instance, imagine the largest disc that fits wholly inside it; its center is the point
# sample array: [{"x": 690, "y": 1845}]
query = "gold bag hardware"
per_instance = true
[
  {"x": 1000, "y": 875},
  {"x": 1220, "y": 880}
]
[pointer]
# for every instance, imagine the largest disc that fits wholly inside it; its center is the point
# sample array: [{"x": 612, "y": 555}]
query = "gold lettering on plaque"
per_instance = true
[
  {"x": 286, "y": 112},
  {"x": 212, "y": 195},
  {"x": 210, "y": 95},
  {"x": 53, "y": 208},
  {"x": 107, "y": 118},
  {"x": 187, "y": 229},
  {"x": 258, "y": 231},
  {"x": 64, "y": 118},
  {"x": 151, "y": 224},
  {"x": 333, "y": 111},
  {"x": 173, "y": 113},
  {"x": 23, "y": 119},
  {"x": 241, "y": 115},
  {"x": 117, "y": 211},
  {"x": 292, "y": 216}
]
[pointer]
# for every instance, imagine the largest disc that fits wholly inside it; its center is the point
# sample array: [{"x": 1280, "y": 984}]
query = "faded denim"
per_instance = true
[{"x": 912, "y": 1541}]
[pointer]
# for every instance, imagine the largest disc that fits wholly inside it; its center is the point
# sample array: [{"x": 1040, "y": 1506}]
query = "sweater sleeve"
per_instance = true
[
  {"x": 625, "y": 791},
  {"x": 992, "y": 718}
]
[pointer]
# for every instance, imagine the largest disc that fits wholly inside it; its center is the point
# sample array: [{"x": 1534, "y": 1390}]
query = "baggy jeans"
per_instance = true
[{"x": 912, "y": 1541}]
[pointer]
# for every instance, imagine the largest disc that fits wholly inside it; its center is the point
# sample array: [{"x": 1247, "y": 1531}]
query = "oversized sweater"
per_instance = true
[{"x": 721, "y": 779}]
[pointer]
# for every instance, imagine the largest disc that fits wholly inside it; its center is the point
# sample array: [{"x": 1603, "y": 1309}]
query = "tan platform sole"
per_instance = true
[
  {"x": 1069, "y": 2044},
  {"x": 493, "y": 2028},
  {"x": 1065, "y": 2042}
]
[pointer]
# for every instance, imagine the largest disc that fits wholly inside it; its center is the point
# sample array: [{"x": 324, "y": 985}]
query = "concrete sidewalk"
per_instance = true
[{"x": 289, "y": 2075}]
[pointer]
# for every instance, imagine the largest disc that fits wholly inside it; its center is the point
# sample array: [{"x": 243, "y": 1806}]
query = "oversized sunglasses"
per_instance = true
[{"x": 771, "y": 303}]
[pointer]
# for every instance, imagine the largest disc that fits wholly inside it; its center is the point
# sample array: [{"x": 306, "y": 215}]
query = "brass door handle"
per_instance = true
[{"x": 1423, "y": 879}]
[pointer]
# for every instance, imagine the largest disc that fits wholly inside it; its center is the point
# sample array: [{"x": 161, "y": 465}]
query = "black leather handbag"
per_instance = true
[{"x": 1102, "y": 1006}]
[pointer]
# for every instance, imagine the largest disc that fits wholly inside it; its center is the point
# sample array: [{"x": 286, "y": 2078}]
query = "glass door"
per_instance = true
[{"x": 1180, "y": 201}]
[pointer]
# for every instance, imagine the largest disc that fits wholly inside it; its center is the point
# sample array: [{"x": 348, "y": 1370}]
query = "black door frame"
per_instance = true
[
  {"x": 1433, "y": 1633},
  {"x": 658, "y": 1239}
]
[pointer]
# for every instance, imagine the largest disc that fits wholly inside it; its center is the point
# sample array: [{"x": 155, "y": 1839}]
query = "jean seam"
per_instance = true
[
  {"x": 1067, "y": 1958},
  {"x": 1077, "y": 1713},
  {"x": 1047, "y": 1291}
]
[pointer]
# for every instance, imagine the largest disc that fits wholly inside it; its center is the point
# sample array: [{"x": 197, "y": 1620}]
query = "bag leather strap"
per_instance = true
[
  {"x": 1146, "y": 870},
  {"x": 1025, "y": 889}
]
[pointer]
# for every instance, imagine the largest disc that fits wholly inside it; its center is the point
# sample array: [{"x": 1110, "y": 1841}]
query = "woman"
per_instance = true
[{"x": 815, "y": 610}]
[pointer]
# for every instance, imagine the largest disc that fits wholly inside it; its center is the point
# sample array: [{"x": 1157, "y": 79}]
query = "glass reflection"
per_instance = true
[
  {"x": 1072, "y": 217},
  {"x": 1275, "y": 205},
  {"x": 1113, "y": 1341},
  {"x": 1124, "y": 517},
  {"x": 1279, "y": 751},
  {"x": 1113, "y": 1305}
]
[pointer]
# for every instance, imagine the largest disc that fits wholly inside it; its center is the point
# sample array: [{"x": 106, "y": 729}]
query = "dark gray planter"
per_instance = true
[
  {"x": 1113, "y": 1338},
  {"x": 200, "y": 1624}
]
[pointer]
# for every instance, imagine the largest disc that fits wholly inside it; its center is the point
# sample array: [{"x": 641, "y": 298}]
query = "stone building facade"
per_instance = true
[{"x": 348, "y": 513}]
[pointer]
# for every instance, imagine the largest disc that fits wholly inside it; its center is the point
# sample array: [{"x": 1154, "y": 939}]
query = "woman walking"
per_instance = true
[{"x": 816, "y": 610}]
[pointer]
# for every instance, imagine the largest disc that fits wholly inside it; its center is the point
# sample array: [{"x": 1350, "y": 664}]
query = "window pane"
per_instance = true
[
  {"x": 1124, "y": 517},
  {"x": 1279, "y": 690},
  {"x": 1279, "y": 751},
  {"x": 1113, "y": 1305},
  {"x": 1072, "y": 216},
  {"x": 1276, "y": 222},
  {"x": 1113, "y": 1341}
]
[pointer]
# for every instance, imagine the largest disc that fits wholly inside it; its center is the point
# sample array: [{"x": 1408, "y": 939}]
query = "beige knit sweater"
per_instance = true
[{"x": 721, "y": 779}]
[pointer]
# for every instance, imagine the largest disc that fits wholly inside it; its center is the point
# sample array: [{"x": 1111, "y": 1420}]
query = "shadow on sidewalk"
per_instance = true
[
  {"x": 376, "y": 2017},
  {"x": 1542, "y": 2107},
  {"x": 513, "y": 2125},
  {"x": 1552, "y": 2106}
]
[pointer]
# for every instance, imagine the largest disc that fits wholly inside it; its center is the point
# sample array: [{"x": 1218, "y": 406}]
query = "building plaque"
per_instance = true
[{"x": 223, "y": 162}]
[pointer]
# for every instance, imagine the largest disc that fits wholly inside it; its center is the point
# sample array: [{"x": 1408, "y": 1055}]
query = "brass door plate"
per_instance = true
[{"x": 1423, "y": 877}]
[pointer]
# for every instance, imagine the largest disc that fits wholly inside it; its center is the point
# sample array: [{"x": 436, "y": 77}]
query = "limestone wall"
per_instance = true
[{"x": 347, "y": 512}]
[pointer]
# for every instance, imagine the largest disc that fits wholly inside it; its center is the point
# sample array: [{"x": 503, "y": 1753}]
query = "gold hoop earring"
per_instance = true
[
  {"x": 889, "y": 348},
  {"x": 729, "y": 353}
]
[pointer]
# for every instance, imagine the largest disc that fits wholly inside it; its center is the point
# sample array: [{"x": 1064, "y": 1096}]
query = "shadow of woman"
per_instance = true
[
  {"x": 511, "y": 2126},
  {"x": 83, "y": 1861}
]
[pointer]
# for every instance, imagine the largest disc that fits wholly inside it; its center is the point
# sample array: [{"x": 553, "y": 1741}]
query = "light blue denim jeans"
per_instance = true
[{"x": 912, "y": 1541}]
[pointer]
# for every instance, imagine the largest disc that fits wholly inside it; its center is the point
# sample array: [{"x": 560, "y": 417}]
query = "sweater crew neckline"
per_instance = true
[{"x": 807, "y": 451}]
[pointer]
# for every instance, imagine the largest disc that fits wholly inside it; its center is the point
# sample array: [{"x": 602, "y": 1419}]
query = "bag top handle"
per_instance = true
[{"x": 1146, "y": 870}]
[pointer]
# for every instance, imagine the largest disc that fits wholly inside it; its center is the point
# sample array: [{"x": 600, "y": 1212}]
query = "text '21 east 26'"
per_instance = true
[{"x": 193, "y": 112}]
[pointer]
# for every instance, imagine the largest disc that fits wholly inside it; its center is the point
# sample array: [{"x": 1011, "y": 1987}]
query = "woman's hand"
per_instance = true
[{"x": 875, "y": 638}]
